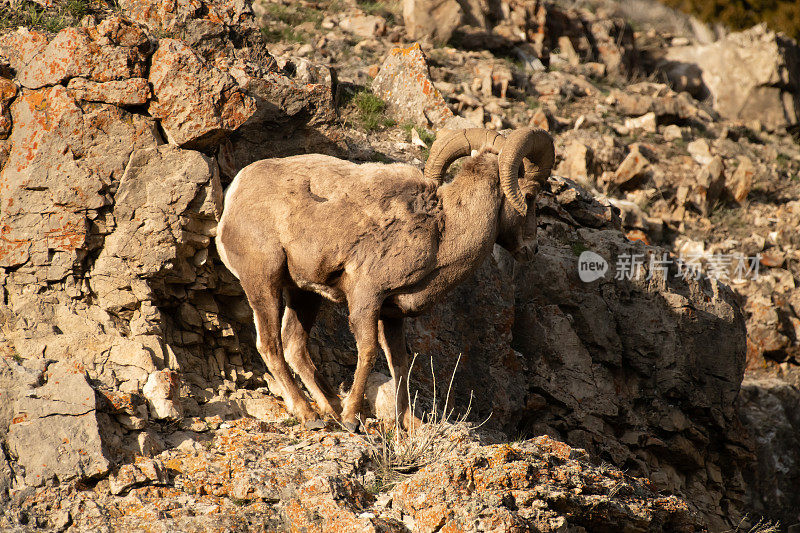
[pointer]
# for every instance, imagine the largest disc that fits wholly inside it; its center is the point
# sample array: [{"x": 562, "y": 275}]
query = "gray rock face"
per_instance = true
[
  {"x": 54, "y": 433},
  {"x": 104, "y": 255},
  {"x": 179, "y": 194},
  {"x": 769, "y": 409},
  {"x": 752, "y": 75}
]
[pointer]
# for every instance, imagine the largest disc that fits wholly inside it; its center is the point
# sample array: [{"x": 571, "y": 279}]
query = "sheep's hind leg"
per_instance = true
[
  {"x": 266, "y": 301},
  {"x": 298, "y": 318},
  {"x": 364, "y": 324},
  {"x": 393, "y": 341}
]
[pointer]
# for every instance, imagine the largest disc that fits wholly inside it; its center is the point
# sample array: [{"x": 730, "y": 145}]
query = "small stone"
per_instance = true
[
  {"x": 265, "y": 408},
  {"x": 132, "y": 423},
  {"x": 460, "y": 123},
  {"x": 646, "y": 122},
  {"x": 672, "y": 132},
  {"x": 772, "y": 258},
  {"x": 61, "y": 519},
  {"x": 700, "y": 151},
  {"x": 631, "y": 167},
  {"x": 305, "y": 50},
  {"x": 631, "y": 214},
  {"x": 710, "y": 183},
  {"x": 149, "y": 443},
  {"x": 502, "y": 77},
  {"x": 380, "y": 395},
  {"x": 475, "y": 116},
  {"x": 495, "y": 122},
  {"x": 637, "y": 235},
  {"x": 741, "y": 181},
  {"x": 620, "y": 129},
  {"x": 594, "y": 69},
  {"x": 8, "y": 90},
  {"x": 540, "y": 120},
  {"x": 134, "y": 91},
  {"x": 577, "y": 162},
  {"x": 162, "y": 393},
  {"x": 365, "y": 26},
  {"x": 145, "y": 472},
  {"x": 568, "y": 51}
]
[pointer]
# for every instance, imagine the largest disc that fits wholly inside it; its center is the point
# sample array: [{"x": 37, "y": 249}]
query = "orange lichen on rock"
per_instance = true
[{"x": 404, "y": 83}]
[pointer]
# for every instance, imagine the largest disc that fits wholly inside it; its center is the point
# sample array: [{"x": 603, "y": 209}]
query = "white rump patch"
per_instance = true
[{"x": 223, "y": 255}]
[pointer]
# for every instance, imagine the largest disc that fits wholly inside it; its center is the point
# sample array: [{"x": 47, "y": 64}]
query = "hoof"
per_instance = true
[
  {"x": 352, "y": 427},
  {"x": 314, "y": 424}
]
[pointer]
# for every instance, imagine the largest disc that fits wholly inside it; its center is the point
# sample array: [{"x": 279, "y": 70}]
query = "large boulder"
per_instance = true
[
  {"x": 751, "y": 75},
  {"x": 405, "y": 84},
  {"x": 431, "y": 19},
  {"x": 192, "y": 118},
  {"x": 54, "y": 432}
]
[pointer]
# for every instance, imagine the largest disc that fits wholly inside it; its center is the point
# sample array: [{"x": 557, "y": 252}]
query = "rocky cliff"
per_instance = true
[{"x": 131, "y": 393}]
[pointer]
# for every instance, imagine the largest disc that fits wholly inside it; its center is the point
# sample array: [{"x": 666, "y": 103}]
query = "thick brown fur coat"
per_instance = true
[{"x": 381, "y": 237}]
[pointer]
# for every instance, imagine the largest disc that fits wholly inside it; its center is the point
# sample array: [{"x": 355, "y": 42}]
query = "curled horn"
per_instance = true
[
  {"x": 535, "y": 147},
  {"x": 452, "y": 144}
]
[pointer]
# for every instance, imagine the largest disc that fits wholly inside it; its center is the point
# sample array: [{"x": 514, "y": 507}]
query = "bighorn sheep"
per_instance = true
[{"x": 385, "y": 238}]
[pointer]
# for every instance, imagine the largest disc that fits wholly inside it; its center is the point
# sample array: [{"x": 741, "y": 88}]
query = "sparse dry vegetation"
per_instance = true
[{"x": 396, "y": 454}]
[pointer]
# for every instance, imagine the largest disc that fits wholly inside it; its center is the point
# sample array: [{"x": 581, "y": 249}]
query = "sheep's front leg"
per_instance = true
[
  {"x": 364, "y": 324},
  {"x": 393, "y": 341}
]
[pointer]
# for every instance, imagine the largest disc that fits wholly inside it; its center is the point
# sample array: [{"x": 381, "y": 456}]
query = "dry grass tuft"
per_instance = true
[
  {"x": 762, "y": 526},
  {"x": 397, "y": 454}
]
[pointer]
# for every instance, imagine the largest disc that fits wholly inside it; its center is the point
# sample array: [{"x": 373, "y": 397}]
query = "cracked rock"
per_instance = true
[
  {"x": 191, "y": 118},
  {"x": 54, "y": 433},
  {"x": 144, "y": 472}
]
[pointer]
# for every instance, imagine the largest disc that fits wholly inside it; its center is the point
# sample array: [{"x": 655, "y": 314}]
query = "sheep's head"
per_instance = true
[{"x": 525, "y": 160}]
